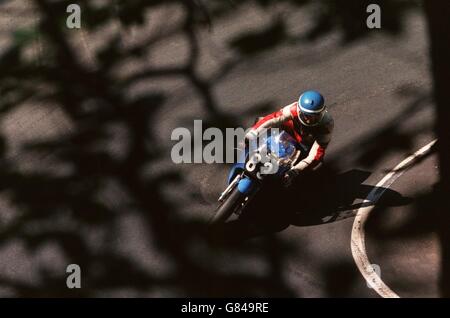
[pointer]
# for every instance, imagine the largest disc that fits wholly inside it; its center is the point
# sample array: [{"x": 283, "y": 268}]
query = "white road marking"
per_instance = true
[{"x": 358, "y": 245}]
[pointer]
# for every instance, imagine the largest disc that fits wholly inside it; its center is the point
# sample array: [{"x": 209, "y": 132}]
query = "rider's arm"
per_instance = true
[
  {"x": 317, "y": 151},
  {"x": 314, "y": 157},
  {"x": 273, "y": 120}
]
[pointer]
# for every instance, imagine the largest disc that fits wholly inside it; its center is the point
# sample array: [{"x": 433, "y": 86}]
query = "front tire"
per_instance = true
[{"x": 226, "y": 209}]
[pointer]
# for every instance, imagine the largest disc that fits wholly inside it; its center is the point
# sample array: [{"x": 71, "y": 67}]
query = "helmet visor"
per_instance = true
[{"x": 310, "y": 119}]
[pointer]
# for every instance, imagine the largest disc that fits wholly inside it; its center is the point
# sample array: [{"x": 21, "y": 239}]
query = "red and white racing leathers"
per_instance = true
[{"x": 316, "y": 137}]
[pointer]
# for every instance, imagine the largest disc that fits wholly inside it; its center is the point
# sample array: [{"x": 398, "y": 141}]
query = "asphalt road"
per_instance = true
[{"x": 378, "y": 91}]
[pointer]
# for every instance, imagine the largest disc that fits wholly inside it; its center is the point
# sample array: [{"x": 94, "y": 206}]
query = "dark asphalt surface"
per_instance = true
[{"x": 378, "y": 92}]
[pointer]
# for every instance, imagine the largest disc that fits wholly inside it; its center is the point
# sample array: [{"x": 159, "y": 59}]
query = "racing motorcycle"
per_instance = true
[{"x": 271, "y": 158}]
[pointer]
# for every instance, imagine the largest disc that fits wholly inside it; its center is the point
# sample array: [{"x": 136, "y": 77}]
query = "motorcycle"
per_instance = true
[{"x": 274, "y": 155}]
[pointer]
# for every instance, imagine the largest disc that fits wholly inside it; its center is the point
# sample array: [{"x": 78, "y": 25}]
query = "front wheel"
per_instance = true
[{"x": 226, "y": 209}]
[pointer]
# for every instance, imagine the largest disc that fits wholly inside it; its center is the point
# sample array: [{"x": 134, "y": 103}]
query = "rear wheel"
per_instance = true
[{"x": 226, "y": 209}]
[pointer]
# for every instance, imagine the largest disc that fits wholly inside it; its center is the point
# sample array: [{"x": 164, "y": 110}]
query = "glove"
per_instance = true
[
  {"x": 250, "y": 139},
  {"x": 251, "y": 135},
  {"x": 301, "y": 166},
  {"x": 289, "y": 177}
]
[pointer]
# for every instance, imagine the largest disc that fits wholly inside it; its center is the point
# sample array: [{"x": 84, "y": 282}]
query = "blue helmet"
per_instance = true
[{"x": 311, "y": 108}]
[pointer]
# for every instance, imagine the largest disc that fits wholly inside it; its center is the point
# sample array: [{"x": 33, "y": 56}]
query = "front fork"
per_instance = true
[
  {"x": 230, "y": 187},
  {"x": 245, "y": 186}
]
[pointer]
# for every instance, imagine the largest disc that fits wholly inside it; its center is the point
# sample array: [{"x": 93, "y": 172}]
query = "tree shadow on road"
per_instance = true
[
  {"x": 84, "y": 187},
  {"x": 86, "y": 194}
]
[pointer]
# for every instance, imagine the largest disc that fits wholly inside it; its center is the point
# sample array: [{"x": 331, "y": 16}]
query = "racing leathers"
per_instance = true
[{"x": 314, "y": 138}]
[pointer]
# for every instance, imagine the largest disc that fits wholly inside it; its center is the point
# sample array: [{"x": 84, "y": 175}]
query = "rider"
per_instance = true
[{"x": 308, "y": 121}]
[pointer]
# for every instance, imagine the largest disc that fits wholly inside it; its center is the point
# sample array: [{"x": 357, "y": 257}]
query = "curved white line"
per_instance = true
[{"x": 358, "y": 245}]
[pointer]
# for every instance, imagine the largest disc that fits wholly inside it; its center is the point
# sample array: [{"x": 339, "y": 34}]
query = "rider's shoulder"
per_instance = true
[
  {"x": 327, "y": 118},
  {"x": 290, "y": 110},
  {"x": 327, "y": 121}
]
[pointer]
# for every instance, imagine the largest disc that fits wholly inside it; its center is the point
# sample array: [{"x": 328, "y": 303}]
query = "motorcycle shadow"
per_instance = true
[{"x": 313, "y": 199}]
